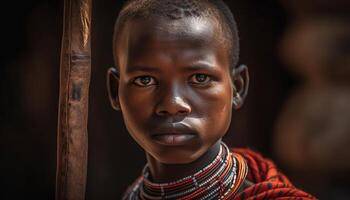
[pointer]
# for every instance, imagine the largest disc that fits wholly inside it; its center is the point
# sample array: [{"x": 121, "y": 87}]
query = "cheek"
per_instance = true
[
  {"x": 136, "y": 104},
  {"x": 214, "y": 108},
  {"x": 215, "y": 100}
]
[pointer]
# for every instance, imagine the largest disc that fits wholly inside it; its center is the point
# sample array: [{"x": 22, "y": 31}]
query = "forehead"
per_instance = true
[
  {"x": 185, "y": 29},
  {"x": 189, "y": 36}
]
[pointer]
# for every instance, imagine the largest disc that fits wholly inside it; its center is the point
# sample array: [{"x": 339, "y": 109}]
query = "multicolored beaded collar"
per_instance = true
[{"x": 220, "y": 179}]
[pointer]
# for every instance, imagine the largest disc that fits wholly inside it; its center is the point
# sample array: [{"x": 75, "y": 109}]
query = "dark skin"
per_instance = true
[{"x": 175, "y": 90}]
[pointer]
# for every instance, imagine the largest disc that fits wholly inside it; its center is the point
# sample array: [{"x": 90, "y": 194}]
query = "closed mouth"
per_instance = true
[
  {"x": 174, "y": 134},
  {"x": 173, "y": 139}
]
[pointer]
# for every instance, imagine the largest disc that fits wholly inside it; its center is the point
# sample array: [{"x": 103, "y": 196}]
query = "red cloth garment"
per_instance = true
[{"x": 269, "y": 183}]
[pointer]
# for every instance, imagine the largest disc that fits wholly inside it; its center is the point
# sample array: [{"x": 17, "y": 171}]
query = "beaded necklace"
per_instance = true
[{"x": 218, "y": 180}]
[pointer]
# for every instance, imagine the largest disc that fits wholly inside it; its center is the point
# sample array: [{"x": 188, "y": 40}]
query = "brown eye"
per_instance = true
[
  {"x": 144, "y": 81},
  {"x": 200, "y": 79}
]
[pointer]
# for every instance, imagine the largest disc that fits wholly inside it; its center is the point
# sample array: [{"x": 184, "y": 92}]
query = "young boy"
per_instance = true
[{"x": 176, "y": 82}]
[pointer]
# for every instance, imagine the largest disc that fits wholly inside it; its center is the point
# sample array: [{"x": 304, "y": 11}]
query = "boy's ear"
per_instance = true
[
  {"x": 240, "y": 80},
  {"x": 112, "y": 87}
]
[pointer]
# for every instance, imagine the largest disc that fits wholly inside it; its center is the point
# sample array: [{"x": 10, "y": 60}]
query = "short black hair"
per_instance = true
[{"x": 178, "y": 9}]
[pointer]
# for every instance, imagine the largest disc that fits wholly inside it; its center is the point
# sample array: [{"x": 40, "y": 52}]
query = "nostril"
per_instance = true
[
  {"x": 173, "y": 106},
  {"x": 183, "y": 111},
  {"x": 163, "y": 112}
]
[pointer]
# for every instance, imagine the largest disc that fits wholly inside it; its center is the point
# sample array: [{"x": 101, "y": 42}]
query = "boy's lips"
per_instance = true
[
  {"x": 174, "y": 134},
  {"x": 173, "y": 139}
]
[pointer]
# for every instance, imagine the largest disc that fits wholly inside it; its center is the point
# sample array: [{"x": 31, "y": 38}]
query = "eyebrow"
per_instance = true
[
  {"x": 142, "y": 68},
  {"x": 200, "y": 65}
]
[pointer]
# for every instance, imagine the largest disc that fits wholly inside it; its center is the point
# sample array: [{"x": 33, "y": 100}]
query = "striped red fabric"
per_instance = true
[{"x": 269, "y": 182}]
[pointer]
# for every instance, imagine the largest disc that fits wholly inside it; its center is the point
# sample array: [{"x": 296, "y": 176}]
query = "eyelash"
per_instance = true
[
  {"x": 137, "y": 81},
  {"x": 208, "y": 79}
]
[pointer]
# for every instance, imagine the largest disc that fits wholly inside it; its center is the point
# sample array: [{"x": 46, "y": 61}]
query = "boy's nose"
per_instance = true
[{"x": 173, "y": 103}]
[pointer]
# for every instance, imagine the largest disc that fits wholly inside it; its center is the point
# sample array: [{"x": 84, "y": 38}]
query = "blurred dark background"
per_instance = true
[{"x": 281, "y": 44}]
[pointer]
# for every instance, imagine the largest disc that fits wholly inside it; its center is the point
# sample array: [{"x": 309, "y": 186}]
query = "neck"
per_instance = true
[{"x": 161, "y": 172}]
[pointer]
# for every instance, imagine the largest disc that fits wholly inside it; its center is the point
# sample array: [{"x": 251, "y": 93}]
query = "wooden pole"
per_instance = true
[{"x": 75, "y": 69}]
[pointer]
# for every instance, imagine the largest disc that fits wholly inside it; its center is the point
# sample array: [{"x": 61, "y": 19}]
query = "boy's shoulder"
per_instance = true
[
  {"x": 268, "y": 182},
  {"x": 133, "y": 188}
]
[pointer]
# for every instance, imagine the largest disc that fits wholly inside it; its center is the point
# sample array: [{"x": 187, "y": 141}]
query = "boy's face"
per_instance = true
[{"x": 175, "y": 89}]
